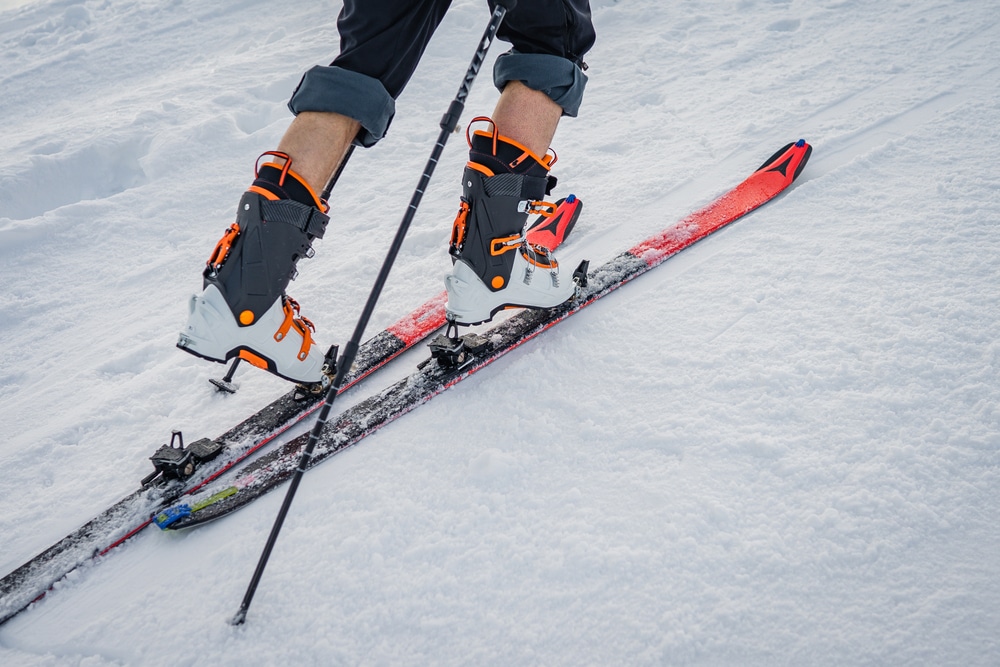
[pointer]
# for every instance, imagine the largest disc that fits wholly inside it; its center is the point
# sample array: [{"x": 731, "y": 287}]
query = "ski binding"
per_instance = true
[
  {"x": 180, "y": 462},
  {"x": 452, "y": 351}
]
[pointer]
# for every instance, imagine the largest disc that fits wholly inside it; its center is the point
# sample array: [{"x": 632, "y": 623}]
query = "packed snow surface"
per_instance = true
[{"x": 781, "y": 447}]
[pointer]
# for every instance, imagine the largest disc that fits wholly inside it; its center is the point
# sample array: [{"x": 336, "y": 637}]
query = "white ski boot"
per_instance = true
[
  {"x": 243, "y": 311},
  {"x": 495, "y": 267}
]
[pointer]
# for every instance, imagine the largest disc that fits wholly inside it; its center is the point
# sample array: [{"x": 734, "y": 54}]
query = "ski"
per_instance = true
[
  {"x": 209, "y": 459},
  {"x": 454, "y": 359}
]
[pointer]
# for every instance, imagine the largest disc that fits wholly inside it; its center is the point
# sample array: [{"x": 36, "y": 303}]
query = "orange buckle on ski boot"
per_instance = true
[
  {"x": 301, "y": 324},
  {"x": 223, "y": 247}
]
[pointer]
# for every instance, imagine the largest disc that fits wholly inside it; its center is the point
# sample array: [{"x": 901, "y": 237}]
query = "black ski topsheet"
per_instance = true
[
  {"x": 352, "y": 425},
  {"x": 131, "y": 514}
]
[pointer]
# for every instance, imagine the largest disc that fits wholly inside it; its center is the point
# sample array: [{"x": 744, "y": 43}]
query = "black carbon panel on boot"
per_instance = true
[
  {"x": 273, "y": 236},
  {"x": 493, "y": 203}
]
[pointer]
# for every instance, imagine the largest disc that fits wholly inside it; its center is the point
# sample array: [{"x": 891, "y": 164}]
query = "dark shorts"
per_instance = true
[{"x": 381, "y": 42}]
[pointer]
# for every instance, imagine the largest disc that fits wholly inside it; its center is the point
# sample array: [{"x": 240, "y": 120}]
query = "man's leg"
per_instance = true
[
  {"x": 527, "y": 116},
  {"x": 316, "y": 142},
  {"x": 507, "y": 175},
  {"x": 244, "y": 311}
]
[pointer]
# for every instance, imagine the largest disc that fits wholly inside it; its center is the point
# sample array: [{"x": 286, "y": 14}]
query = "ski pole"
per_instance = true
[
  {"x": 336, "y": 175},
  {"x": 448, "y": 123}
]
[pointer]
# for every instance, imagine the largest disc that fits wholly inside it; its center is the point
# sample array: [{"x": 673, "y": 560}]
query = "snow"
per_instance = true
[{"x": 780, "y": 447}]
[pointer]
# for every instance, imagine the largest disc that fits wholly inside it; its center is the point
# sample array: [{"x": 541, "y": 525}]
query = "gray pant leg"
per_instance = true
[
  {"x": 559, "y": 78},
  {"x": 357, "y": 96}
]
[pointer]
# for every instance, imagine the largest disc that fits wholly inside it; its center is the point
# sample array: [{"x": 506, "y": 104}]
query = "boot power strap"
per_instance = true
[{"x": 305, "y": 218}]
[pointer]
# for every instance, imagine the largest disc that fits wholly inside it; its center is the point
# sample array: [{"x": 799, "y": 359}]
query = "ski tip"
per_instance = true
[
  {"x": 570, "y": 199},
  {"x": 794, "y": 155}
]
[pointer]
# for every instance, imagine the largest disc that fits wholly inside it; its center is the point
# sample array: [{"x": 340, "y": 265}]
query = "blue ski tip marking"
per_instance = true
[{"x": 800, "y": 143}]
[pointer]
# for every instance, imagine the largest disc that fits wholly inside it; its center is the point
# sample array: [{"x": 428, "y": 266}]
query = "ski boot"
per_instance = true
[
  {"x": 495, "y": 266},
  {"x": 243, "y": 312}
]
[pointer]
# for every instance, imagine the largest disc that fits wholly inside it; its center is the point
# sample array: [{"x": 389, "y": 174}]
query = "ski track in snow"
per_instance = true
[{"x": 780, "y": 447}]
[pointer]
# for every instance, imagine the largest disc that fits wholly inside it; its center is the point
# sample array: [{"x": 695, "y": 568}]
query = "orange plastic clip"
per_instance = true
[
  {"x": 504, "y": 244},
  {"x": 542, "y": 208},
  {"x": 300, "y": 324},
  {"x": 223, "y": 247},
  {"x": 458, "y": 228}
]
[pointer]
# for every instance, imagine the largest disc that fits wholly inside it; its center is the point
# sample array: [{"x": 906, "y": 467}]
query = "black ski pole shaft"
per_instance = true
[
  {"x": 336, "y": 175},
  {"x": 448, "y": 123}
]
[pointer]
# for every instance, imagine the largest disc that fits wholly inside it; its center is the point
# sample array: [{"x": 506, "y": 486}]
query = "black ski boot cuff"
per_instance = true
[
  {"x": 503, "y": 156},
  {"x": 284, "y": 183}
]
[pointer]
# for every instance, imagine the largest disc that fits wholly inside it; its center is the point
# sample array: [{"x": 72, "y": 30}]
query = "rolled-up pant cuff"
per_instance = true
[
  {"x": 561, "y": 79},
  {"x": 337, "y": 90}
]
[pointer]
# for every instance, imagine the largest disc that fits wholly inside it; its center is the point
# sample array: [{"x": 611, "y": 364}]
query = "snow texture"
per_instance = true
[{"x": 782, "y": 447}]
